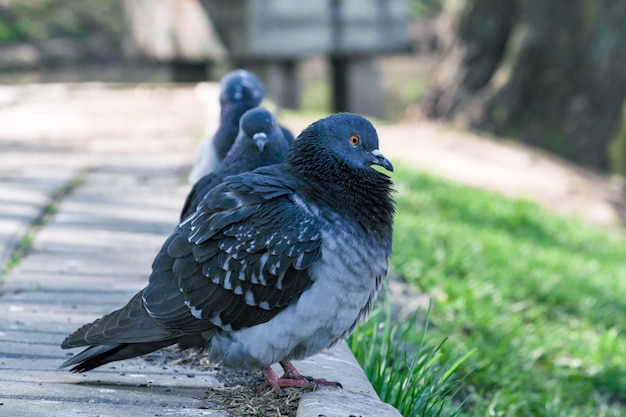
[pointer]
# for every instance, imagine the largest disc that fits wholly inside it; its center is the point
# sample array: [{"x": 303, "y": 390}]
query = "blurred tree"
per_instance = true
[{"x": 549, "y": 72}]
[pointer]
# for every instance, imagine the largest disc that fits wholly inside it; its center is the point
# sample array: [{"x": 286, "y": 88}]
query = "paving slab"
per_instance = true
[{"x": 23, "y": 196}]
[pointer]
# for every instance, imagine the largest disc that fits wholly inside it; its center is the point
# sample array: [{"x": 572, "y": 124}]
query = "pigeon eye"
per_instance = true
[{"x": 355, "y": 140}]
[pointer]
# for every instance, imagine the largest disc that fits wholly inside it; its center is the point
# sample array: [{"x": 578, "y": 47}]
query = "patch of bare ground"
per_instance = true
[{"x": 238, "y": 396}]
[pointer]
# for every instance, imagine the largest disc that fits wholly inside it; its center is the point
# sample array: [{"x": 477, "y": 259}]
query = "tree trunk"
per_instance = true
[{"x": 548, "y": 72}]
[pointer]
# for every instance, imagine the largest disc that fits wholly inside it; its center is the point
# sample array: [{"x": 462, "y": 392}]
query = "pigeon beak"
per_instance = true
[
  {"x": 260, "y": 139},
  {"x": 379, "y": 159}
]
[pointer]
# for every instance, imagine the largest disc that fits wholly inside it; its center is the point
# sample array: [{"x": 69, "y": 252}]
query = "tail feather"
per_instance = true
[
  {"x": 95, "y": 356},
  {"x": 122, "y": 334},
  {"x": 129, "y": 324}
]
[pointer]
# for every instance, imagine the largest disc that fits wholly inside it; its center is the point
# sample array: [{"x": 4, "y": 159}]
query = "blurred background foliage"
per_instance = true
[
  {"x": 423, "y": 9},
  {"x": 546, "y": 73},
  {"x": 28, "y": 20}
]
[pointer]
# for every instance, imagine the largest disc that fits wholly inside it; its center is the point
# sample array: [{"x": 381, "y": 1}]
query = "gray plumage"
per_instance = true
[
  {"x": 274, "y": 265},
  {"x": 260, "y": 142},
  {"x": 240, "y": 91}
]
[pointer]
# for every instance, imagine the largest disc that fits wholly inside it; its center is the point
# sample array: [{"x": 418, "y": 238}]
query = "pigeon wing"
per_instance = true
[{"x": 236, "y": 262}]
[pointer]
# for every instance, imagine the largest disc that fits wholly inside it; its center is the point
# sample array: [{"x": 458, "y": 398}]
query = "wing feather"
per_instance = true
[{"x": 238, "y": 260}]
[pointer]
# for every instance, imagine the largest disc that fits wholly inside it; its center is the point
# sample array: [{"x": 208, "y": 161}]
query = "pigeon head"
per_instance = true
[
  {"x": 258, "y": 124},
  {"x": 260, "y": 142},
  {"x": 338, "y": 142},
  {"x": 241, "y": 88}
]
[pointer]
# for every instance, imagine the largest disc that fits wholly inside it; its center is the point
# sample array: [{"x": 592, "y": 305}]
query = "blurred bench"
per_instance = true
[{"x": 273, "y": 36}]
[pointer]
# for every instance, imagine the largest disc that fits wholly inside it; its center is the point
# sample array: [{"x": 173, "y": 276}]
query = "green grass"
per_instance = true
[
  {"x": 26, "y": 242},
  {"x": 541, "y": 297},
  {"x": 404, "y": 369}
]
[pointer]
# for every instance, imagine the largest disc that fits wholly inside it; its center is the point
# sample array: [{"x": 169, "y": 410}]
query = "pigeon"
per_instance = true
[
  {"x": 274, "y": 265},
  {"x": 260, "y": 142},
  {"x": 240, "y": 91}
]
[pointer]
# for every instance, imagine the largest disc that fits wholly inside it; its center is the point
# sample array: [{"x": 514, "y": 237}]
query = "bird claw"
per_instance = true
[
  {"x": 324, "y": 382},
  {"x": 292, "y": 378},
  {"x": 279, "y": 383}
]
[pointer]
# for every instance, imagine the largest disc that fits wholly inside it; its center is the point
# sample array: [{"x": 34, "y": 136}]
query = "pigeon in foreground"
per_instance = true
[
  {"x": 274, "y": 265},
  {"x": 240, "y": 91},
  {"x": 260, "y": 142}
]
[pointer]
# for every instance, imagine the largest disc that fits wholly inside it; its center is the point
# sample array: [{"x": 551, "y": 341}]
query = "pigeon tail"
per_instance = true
[
  {"x": 98, "y": 355},
  {"x": 122, "y": 334}
]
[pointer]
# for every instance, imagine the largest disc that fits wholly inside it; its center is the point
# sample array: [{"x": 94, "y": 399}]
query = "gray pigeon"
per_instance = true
[
  {"x": 240, "y": 91},
  {"x": 274, "y": 265},
  {"x": 260, "y": 142}
]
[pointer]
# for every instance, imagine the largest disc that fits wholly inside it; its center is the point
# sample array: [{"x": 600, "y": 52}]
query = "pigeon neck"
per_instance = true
[
  {"x": 228, "y": 129},
  {"x": 364, "y": 196},
  {"x": 241, "y": 157}
]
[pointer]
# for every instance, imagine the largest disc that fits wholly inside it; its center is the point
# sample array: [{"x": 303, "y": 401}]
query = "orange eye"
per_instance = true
[{"x": 355, "y": 140}]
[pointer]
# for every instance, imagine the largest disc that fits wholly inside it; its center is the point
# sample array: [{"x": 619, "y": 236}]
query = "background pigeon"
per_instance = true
[
  {"x": 260, "y": 142},
  {"x": 240, "y": 91},
  {"x": 274, "y": 265}
]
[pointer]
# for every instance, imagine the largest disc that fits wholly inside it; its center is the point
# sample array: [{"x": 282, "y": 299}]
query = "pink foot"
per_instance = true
[{"x": 291, "y": 378}]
